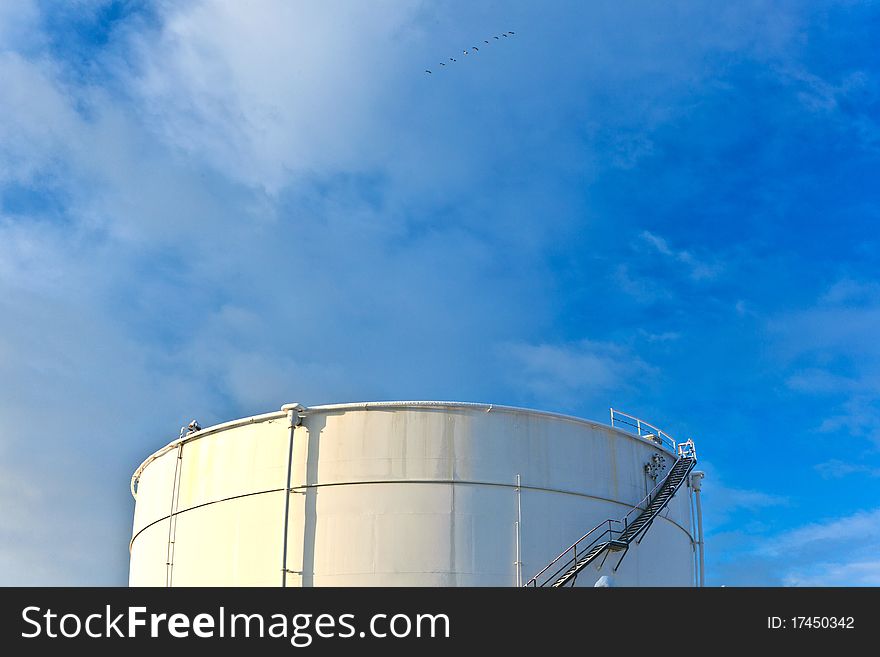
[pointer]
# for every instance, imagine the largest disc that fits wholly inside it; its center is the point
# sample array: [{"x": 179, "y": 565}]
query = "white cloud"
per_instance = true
[
  {"x": 724, "y": 502},
  {"x": 849, "y": 290},
  {"x": 561, "y": 373},
  {"x": 38, "y": 123},
  {"x": 19, "y": 23},
  {"x": 858, "y": 531},
  {"x": 817, "y": 380},
  {"x": 820, "y": 95},
  {"x": 741, "y": 498},
  {"x": 832, "y": 351},
  {"x": 831, "y": 552},
  {"x": 841, "y": 102},
  {"x": 858, "y": 416},
  {"x": 835, "y": 469},
  {"x": 858, "y": 573},
  {"x": 838, "y": 329},
  {"x": 834, "y": 552},
  {"x": 638, "y": 277},
  {"x": 665, "y": 337},
  {"x": 270, "y": 91},
  {"x": 697, "y": 269},
  {"x": 643, "y": 289}
]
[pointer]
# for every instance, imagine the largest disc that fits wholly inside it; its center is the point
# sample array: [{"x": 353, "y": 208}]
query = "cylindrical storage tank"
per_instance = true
[{"x": 399, "y": 494}]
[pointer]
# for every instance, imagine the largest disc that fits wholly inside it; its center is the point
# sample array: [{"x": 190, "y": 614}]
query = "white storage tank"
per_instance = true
[{"x": 403, "y": 494}]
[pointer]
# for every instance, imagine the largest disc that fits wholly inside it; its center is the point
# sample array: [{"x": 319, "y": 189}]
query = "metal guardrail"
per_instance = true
[
  {"x": 643, "y": 429},
  {"x": 687, "y": 448}
]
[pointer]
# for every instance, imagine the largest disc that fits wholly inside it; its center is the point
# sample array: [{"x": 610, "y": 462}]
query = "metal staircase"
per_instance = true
[{"x": 617, "y": 535}]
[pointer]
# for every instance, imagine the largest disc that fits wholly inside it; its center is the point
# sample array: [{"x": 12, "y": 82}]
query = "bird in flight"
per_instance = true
[{"x": 474, "y": 49}]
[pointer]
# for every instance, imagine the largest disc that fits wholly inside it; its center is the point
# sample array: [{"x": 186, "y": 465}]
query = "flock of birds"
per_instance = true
[{"x": 475, "y": 49}]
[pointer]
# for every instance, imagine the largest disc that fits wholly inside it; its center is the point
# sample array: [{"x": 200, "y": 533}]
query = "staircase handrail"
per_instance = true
[
  {"x": 688, "y": 453},
  {"x": 646, "y": 500},
  {"x": 573, "y": 548}
]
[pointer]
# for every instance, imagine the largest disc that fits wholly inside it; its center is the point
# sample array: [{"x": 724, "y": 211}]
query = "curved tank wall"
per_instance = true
[{"x": 396, "y": 494}]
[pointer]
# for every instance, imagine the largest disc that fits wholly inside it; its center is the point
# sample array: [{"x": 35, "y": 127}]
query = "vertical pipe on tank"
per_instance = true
[
  {"x": 697, "y": 482},
  {"x": 693, "y": 532},
  {"x": 172, "y": 517},
  {"x": 292, "y": 416},
  {"x": 518, "y": 524}
]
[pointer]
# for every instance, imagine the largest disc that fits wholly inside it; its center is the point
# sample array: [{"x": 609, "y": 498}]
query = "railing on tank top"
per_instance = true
[{"x": 643, "y": 429}]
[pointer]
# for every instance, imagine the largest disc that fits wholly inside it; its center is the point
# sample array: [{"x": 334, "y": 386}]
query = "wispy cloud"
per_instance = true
[
  {"x": 858, "y": 532},
  {"x": 817, "y": 380},
  {"x": 643, "y": 289},
  {"x": 563, "y": 373},
  {"x": 857, "y": 573},
  {"x": 657, "y": 273},
  {"x": 804, "y": 555},
  {"x": 725, "y": 503},
  {"x": 831, "y": 350},
  {"x": 665, "y": 337},
  {"x": 846, "y": 101},
  {"x": 697, "y": 269},
  {"x": 832, "y": 552},
  {"x": 849, "y": 290},
  {"x": 836, "y": 469}
]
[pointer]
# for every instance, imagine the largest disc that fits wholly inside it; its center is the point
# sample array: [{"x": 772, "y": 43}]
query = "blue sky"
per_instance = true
[{"x": 210, "y": 209}]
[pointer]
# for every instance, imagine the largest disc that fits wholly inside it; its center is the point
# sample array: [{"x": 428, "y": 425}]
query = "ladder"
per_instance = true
[{"x": 612, "y": 535}]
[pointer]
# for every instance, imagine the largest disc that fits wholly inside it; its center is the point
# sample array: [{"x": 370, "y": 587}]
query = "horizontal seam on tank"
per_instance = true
[
  {"x": 459, "y": 481},
  {"x": 394, "y": 481},
  {"x": 199, "y": 506},
  {"x": 480, "y": 483}
]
